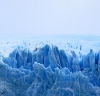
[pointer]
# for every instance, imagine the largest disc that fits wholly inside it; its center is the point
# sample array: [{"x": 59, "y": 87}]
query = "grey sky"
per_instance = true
[{"x": 50, "y": 16}]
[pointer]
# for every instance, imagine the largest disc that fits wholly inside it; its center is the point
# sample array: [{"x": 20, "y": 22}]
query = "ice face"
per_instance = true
[{"x": 48, "y": 71}]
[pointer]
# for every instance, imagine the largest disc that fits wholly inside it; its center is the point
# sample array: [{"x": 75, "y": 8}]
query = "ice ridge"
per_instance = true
[{"x": 49, "y": 71}]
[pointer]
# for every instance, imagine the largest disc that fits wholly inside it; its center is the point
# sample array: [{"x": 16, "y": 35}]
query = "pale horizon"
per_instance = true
[{"x": 78, "y": 17}]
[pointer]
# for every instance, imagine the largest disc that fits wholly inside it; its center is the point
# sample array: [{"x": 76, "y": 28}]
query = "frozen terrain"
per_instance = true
[
  {"x": 55, "y": 65},
  {"x": 66, "y": 42}
]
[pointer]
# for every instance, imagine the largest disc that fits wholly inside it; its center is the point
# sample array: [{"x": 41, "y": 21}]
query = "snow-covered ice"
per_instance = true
[{"x": 55, "y": 65}]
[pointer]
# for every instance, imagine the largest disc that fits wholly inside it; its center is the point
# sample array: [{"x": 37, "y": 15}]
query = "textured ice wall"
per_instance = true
[{"x": 49, "y": 71}]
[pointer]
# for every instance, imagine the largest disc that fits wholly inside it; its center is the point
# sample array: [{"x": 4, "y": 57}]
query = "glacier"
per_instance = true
[{"x": 48, "y": 71}]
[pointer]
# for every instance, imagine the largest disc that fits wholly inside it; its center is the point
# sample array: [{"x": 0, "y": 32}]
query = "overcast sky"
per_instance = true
[{"x": 50, "y": 17}]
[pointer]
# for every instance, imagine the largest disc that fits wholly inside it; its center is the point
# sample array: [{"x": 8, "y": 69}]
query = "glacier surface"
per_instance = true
[{"x": 48, "y": 71}]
